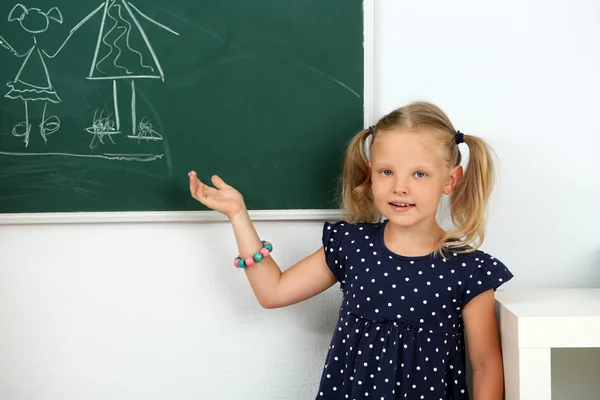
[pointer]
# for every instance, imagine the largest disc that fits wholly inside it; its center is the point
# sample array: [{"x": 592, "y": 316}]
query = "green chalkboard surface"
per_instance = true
[{"x": 106, "y": 105}]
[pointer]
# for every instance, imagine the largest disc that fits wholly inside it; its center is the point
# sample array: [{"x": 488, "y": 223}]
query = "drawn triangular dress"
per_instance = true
[
  {"x": 123, "y": 49},
  {"x": 32, "y": 82}
]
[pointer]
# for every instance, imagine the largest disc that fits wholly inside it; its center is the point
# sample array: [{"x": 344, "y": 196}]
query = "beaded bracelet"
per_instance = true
[{"x": 257, "y": 257}]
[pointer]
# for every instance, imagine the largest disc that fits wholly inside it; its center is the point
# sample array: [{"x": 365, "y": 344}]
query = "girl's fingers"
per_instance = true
[
  {"x": 207, "y": 195},
  {"x": 193, "y": 178},
  {"x": 197, "y": 188},
  {"x": 218, "y": 182},
  {"x": 195, "y": 185}
]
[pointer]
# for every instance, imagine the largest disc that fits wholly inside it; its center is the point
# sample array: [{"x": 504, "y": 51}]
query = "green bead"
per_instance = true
[
  {"x": 269, "y": 247},
  {"x": 258, "y": 257},
  {"x": 263, "y": 242},
  {"x": 242, "y": 264}
]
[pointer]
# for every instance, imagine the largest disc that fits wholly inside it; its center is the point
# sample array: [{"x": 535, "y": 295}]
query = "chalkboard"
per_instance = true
[{"x": 108, "y": 104}]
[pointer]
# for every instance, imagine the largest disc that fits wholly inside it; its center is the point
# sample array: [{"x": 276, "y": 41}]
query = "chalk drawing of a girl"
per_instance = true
[
  {"x": 123, "y": 53},
  {"x": 32, "y": 82}
]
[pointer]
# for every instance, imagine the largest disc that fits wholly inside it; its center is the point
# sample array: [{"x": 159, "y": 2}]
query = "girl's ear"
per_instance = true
[
  {"x": 54, "y": 13},
  {"x": 453, "y": 180},
  {"x": 17, "y": 13}
]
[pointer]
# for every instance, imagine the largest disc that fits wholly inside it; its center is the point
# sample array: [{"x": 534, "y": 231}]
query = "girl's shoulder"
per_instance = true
[
  {"x": 469, "y": 254},
  {"x": 480, "y": 270},
  {"x": 476, "y": 257},
  {"x": 351, "y": 230},
  {"x": 344, "y": 235},
  {"x": 342, "y": 239}
]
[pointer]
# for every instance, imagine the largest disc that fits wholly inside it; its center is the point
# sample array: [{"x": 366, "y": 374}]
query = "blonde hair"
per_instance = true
[{"x": 467, "y": 202}]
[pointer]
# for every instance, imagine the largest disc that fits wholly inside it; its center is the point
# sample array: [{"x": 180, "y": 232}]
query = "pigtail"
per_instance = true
[
  {"x": 55, "y": 14},
  {"x": 357, "y": 198},
  {"x": 17, "y": 13},
  {"x": 469, "y": 201}
]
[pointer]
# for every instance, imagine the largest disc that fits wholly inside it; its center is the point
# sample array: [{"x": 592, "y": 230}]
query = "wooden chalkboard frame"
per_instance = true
[{"x": 211, "y": 216}]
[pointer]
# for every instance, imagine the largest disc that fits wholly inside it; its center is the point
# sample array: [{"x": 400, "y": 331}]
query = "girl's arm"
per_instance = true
[
  {"x": 271, "y": 287},
  {"x": 8, "y": 47},
  {"x": 72, "y": 31},
  {"x": 166, "y": 28},
  {"x": 479, "y": 317}
]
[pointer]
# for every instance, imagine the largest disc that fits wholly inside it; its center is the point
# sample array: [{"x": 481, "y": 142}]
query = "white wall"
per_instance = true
[
  {"x": 151, "y": 311},
  {"x": 154, "y": 311}
]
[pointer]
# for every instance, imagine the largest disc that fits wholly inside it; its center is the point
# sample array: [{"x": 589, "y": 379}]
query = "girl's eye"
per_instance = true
[
  {"x": 420, "y": 174},
  {"x": 386, "y": 172}
]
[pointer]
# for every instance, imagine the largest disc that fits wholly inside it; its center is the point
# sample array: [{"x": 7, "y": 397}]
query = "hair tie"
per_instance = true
[{"x": 460, "y": 137}]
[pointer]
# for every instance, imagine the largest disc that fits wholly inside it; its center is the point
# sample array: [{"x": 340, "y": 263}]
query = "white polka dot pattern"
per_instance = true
[{"x": 399, "y": 334}]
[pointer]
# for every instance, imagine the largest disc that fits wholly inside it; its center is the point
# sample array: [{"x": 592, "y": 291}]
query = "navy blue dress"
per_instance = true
[{"x": 399, "y": 334}]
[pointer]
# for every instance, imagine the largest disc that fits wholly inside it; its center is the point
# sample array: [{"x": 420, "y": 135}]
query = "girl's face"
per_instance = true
[
  {"x": 409, "y": 174},
  {"x": 35, "y": 21}
]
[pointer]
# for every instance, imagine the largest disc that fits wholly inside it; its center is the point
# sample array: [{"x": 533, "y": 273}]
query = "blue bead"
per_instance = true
[
  {"x": 269, "y": 247},
  {"x": 258, "y": 257},
  {"x": 242, "y": 264}
]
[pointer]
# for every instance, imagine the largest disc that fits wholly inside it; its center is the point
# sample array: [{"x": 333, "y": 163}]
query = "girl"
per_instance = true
[
  {"x": 33, "y": 82},
  {"x": 410, "y": 289}
]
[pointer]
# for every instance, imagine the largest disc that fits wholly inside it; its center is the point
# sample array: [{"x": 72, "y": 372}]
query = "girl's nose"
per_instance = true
[{"x": 401, "y": 187}]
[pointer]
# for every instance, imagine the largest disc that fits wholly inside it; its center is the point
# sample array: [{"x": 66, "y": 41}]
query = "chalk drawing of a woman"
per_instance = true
[{"x": 124, "y": 52}]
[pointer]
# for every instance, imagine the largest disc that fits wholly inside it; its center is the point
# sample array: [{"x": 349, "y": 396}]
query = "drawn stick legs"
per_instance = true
[
  {"x": 48, "y": 125},
  {"x": 133, "y": 110},
  {"x": 23, "y": 128},
  {"x": 116, "y": 105},
  {"x": 144, "y": 129},
  {"x": 106, "y": 123},
  {"x": 117, "y": 116}
]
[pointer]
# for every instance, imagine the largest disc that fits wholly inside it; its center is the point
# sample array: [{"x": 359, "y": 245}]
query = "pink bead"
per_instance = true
[
  {"x": 235, "y": 263},
  {"x": 249, "y": 261},
  {"x": 264, "y": 252}
]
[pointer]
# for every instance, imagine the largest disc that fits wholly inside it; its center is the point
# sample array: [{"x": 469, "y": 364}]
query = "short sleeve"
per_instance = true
[
  {"x": 333, "y": 234},
  {"x": 488, "y": 273}
]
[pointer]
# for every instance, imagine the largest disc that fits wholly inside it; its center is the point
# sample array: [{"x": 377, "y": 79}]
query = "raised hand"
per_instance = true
[
  {"x": 8, "y": 47},
  {"x": 221, "y": 198}
]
